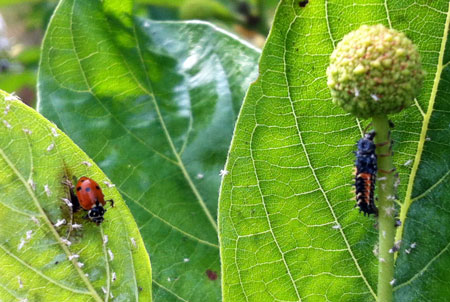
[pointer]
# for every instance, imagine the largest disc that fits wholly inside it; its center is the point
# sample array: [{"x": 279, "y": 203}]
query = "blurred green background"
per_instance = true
[{"x": 23, "y": 24}]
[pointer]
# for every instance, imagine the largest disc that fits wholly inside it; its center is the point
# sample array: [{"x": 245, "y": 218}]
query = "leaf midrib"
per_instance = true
[{"x": 167, "y": 134}]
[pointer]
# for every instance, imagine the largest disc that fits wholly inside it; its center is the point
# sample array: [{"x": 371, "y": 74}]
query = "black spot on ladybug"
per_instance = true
[
  {"x": 88, "y": 189},
  {"x": 97, "y": 187},
  {"x": 79, "y": 188},
  {"x": 303, "y": 3},
  {"x": 211, "y": 275}
]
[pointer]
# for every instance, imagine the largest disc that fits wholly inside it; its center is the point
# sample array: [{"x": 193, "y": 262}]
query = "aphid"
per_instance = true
[
  {"x": 7, "y": 125},
  {"x": 336, "y": 226},
  {"x": 21, "y": 244},
  {"x": 32, "y": 184},
  {"x": 74, "y": 256},
  {"x": 86, "y": 163},
  {"x": 59, "y": 223},
  {"x": 76, "y": 226},
  {"x": 66, "y": 242},
  {"x": 54, "y": 132},
  {"x": 111, "y": 255},
  {"x": 90, "y": 198},
  {"x": 133, "y": 242},
  {"x": 67, "y": 201},
  {"x": 50, "y": 147},
  {"x": 223, "y": 172},
  {"x": 35, "y": 220},
  {"x": 365, "y": 176},
  {"x": 47, "y": 190}
]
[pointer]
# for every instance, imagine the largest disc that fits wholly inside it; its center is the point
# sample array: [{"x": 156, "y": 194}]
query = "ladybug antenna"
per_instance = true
[{"x": 367, "y": 128}]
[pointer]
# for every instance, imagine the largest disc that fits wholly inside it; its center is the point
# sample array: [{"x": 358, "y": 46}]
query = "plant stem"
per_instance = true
[{"x": 386, "y": 219}]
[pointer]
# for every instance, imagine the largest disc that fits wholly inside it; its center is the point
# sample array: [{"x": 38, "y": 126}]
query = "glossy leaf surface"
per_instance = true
[
  {"x": 41, "y": 257},
  {"x": 154, "y": 104},
  {"x": 288, "y": 227}
]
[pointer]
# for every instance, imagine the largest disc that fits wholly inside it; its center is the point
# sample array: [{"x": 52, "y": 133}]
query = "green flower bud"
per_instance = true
[{"x": 374, "y": 71}]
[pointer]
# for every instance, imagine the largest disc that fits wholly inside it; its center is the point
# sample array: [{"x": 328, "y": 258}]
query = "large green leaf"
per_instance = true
[
  {"x": 40, "y": 258},
  {"x": 154, "y": 104},
  {"x": 288, "y": 230}
]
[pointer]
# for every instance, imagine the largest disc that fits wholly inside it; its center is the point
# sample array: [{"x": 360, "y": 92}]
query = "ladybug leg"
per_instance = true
[
  {"x": 387, "y": 172},
  {"x": 390, "y": 153},
  {"x": 75, "y": 204},
  {"x": 391, "y": 124},
  {"x": 111, "y": 202}
]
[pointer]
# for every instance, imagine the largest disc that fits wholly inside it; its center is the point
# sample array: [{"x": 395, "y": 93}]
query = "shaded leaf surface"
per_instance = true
[
  {"x": 288, "y": 230},
  {"x": 34, "y": 253},
  {"x": 154, "y": 104}
]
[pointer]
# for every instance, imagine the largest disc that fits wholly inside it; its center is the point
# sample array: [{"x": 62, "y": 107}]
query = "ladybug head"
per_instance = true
[
  {"x": 96, "y": 214},
  {"x": 366, "y": 144}
]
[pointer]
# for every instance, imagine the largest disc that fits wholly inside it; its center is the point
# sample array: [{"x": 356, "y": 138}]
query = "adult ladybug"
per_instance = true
[
  {"x": 365, "y": 174},
  {"x": 90, "y": 198}
]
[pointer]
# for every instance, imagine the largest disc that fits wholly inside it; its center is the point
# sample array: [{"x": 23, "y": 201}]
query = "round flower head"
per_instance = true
[{"x": 374, "y": 71}]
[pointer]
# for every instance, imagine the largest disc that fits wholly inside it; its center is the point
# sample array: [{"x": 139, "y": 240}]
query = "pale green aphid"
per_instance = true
[{"x": 374, "y": 71}]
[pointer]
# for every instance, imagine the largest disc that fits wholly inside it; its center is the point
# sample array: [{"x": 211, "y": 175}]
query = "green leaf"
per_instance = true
[
  {"x": 206, "y": 9},
  {"x": 164, "y": 3},
  {"x": 41, "y": 259},
  {"x": 288, "y": 229},
  {"x": 154, "y": 104}
]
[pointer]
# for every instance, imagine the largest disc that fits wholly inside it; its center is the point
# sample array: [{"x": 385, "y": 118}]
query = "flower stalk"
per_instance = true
[{"x": 386, "y": 198}]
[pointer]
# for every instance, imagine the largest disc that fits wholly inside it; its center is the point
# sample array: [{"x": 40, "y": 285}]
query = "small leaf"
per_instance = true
[
  {"x": 154, "y": 104},
  {"x": 42, "y": 258},
  {"x": 288, "y": 229}
]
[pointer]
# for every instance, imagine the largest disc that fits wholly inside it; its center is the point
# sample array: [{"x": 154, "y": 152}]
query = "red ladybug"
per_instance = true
[{"x": 90, "y": 197}]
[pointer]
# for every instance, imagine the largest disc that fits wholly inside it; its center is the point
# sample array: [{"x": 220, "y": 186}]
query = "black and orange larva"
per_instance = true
[{"x": 365, "y": 174}]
